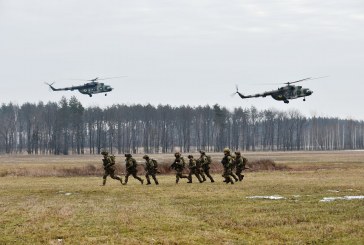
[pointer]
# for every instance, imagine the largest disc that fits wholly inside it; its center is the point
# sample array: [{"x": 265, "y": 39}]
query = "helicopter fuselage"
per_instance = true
[
  {"x": 98, "y": 88},
  {"x": 290, "y": 92}
]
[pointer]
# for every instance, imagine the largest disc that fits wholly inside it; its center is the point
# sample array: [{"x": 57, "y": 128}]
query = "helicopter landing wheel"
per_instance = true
[
  {"x": 105, "y": 94},
  {"x": 304, "y": 99}
]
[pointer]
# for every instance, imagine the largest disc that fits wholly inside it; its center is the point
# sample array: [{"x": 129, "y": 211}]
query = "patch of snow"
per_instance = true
[
  {"x": 275, "y": 197},
  {"x": 333, "y": 191},
  {"x": 330, "y": 199},
  {"x": 68, "y": 194},
  {"x": 353, "y": 197}
]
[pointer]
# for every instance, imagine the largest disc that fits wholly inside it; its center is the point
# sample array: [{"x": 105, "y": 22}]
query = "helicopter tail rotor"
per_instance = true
[
  {"x": 237, "y": 91},
  {"x": 50, "y": 86},
  {"x": 240, "y": 94}
]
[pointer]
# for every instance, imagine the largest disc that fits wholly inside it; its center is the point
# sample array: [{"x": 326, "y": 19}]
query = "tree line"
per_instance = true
[{"x": 67, "y": 127}]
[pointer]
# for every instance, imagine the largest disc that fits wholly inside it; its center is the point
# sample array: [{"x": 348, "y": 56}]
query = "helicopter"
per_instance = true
[
  {"x": 286, "y": 93},
  {"x": 93, "y": 87}
]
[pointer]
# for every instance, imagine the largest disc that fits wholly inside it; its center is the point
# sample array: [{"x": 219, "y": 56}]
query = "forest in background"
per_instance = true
[{"x": 67, "y": 127}]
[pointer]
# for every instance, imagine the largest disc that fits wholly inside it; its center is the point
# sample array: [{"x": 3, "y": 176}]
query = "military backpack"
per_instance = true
[{"x": 208, "y": 159}]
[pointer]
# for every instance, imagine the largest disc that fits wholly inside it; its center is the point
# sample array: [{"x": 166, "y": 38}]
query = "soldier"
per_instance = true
[
  {"x": 178, "y": 165},
  {"x": 131, "y": 168},
  {"x": 227, "y": 162},
  {"x": 109, "y": 167},
  {"x": 199, "y": 170},
  {"x": 151, "y": 168},
  {"x": 205, "y": 162},
  {"x": 240, "y": 163},
  {"x": 193, "y": 170}
]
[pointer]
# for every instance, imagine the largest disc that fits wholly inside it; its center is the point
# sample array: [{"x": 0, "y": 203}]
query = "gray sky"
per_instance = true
[{"x": 185, "y": 52}]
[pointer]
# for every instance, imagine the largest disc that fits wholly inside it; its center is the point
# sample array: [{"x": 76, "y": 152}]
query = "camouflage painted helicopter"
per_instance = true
[
  {"x": 286, "y": 93},
  {"x": 90, "y": 88}
]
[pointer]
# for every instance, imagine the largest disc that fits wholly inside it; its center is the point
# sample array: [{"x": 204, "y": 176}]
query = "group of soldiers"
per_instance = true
[{"x": 199, "y": 167}]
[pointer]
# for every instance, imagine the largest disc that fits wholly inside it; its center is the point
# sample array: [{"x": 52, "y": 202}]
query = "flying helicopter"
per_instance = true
[
  {"x": 286, "y": 93},
  {"x": 93, "y": 87}
]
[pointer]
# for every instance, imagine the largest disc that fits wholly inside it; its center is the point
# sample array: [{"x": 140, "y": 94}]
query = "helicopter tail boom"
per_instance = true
[{"x": 56, "y": 89}]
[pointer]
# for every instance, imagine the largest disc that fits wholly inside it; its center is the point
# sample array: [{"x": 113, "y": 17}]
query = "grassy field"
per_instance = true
[{"x": 37, "y": 207}]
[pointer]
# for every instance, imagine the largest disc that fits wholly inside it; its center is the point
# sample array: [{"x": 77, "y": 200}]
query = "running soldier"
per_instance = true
[
  {"x": 109, "y": 167},
  {"x": 227, "y": 162},
  {"x": 178, "y": 165},
  {"x": 199, "y": 170},
  {"x": 240, "y": 163},
  {"x": 131, "y": 168},
  {"x": 151, "y": 168},
  {"x": 193, "y": 169},
  {"x": 205, "y": 162}
]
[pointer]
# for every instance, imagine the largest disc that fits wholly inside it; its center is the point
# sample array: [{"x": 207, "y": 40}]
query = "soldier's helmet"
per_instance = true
[
  {"x": 237, "y": 153},
  {"x": 127, "y": 155},
  {"x": 190, "y": 156},
  {"x": 145, "y": 157},
  {"x": 177, "y": 154},
  {"x": 226, "y": 150},
  {"x": 105, "y": 153},
  {"x": 202, "y": 152}
]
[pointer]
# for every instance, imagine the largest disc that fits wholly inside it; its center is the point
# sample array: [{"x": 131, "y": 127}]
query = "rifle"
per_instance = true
[{"x": 173, "y": 166}]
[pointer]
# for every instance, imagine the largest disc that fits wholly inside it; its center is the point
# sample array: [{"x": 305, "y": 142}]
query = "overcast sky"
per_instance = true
[{"x": 186, "y": 52}]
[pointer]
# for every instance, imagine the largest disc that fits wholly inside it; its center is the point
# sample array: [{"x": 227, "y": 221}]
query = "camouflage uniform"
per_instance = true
[
  {"x": 233, "y": 166},
  {"x": 193, "y": 169},
  {"x": 131, "y": 168},
  {"x": 109, "y": 167},
  {"x": 151, "y": 169},
  {"x": 240, "y": 163},
  {"x": 227, "y": 162},
  {"x": 205, "y": 166},
  {"x": 178, "y": 165}
]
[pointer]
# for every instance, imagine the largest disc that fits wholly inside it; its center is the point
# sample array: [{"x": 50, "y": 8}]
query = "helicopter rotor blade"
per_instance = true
[
  {"x": 309, "y": 78},
  {"x": 106, "y": 78},
  {"x": 95, "y": 79},
  {"x": 298, "y": 80}
]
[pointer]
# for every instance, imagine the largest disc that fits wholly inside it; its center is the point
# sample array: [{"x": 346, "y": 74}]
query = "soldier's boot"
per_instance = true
[
  {"x": 148, "y": 180},
  {"x": 126, "y": 181},
  {"x": 155, "y": 181},
  {"x": 235, "y": 178},
  {"x": 242, "y": 177},
  {"x": 210, "y": 177},
  {"x": 121, "y": 180},
  {"x": 141, "y": 180},
  {"x": 104, "y": 182},
  {"x": 203, "y": 176},
  {"x": 199, "y": 178}
]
